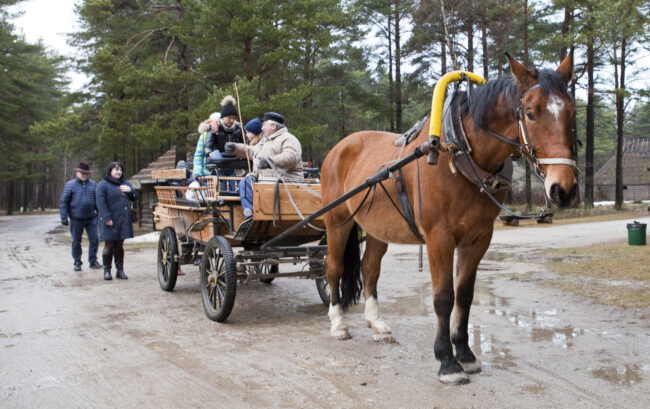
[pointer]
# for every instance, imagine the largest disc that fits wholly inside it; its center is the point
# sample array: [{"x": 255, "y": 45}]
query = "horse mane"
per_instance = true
[{"x": 484, "y": 98}]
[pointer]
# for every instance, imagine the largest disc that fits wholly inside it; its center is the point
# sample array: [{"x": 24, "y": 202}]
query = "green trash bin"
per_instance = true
[{"x": 636, "y": 234}]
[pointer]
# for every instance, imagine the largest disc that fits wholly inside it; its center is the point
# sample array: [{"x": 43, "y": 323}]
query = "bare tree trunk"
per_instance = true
[
  {"x": 398, "y": 75},
  {"x": 391, "y": 86},
  {"x": 470, "y": 41},
  {"x": 484, "y": 45},
  {"x": 500, "y": 43},
  {"x": 529, "y": 190},
  {"x": 10, "y": 196},
  {"x": 443, "y": 57},
  {"x": 620, "y": 116},
  {"x": 590, "y": 127}
]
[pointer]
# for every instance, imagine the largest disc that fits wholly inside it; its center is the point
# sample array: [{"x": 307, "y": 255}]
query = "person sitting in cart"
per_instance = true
[
  {"x": 277, "y": 155},
  {"x": 226, "y": 131},
  {"x": 253, "y": 130},
  {"x": 206, "y": 127}
]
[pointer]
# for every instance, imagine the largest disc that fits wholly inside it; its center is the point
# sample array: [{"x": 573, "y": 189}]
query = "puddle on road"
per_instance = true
[{"x": 541, "y": 326}]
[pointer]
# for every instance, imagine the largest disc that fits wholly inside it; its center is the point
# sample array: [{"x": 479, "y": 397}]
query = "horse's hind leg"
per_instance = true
[
  {"x": 467, "y": 264},
  {"x": 370, "y": 268},
  {"x": 336, "y": 242}
]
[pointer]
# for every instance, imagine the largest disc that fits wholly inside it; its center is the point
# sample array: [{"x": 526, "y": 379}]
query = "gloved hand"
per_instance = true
[
  {"x": 263, "y": 163},
  {"x": 229, "y": 147},
  {"x": 64, "y": 222}
]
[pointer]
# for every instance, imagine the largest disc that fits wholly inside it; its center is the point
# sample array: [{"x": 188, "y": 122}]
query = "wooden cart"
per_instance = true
[{"x": 211, "y": 229}]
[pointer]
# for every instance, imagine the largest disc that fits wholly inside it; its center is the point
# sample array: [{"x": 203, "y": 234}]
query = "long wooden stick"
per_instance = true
[
  {"x": 447, "y": 37},
  {"x": 243, "y": 131}
]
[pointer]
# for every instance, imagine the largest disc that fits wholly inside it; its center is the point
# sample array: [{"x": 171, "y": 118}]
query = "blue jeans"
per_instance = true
[
  {"x": 77, "y": 230},
  {"x": 246, "y": 192},
  {"x": 230, "y": 186}
]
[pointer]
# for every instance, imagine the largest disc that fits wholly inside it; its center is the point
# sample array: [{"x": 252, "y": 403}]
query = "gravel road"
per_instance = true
[{"x": 71, "y": 340}]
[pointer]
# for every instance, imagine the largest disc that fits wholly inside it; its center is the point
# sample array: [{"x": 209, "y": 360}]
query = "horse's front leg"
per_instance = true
[
  {"x": 468, "y": 260},
  {"x": 370, "y": 269},
  {"x": 440, "y": 249}
]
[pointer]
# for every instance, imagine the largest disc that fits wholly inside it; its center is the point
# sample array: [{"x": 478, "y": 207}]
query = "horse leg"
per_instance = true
[
  {"x": 440, "y": 249},
  {"x": 336, "y": 243},
  {"x": 466, "y": 266},
  {"x": 370, "y": 268}
]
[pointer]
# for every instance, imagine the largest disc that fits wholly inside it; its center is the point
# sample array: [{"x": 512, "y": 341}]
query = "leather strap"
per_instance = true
[{"x": 407, "y": 210}]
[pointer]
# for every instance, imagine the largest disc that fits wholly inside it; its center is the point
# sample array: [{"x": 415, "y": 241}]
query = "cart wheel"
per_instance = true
[
  {"x": 267, "y": 269},
  {"x": 323, "y": 290},
  {"x": 218, "y": 279},
  {"x": 167, "y": 259}
]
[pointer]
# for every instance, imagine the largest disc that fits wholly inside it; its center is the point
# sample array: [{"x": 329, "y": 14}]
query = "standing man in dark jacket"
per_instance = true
[{"x": 78, "y": 204}]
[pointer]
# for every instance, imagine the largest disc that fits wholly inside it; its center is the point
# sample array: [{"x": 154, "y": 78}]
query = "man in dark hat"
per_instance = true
[
  {"x": 277, "y": 155},
  {"x": 78, "y": 204}
]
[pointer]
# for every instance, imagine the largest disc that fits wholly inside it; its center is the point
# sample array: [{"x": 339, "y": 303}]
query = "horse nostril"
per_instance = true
[
  {"x": 556, "y": 192},
  {"x": 561, "y": 197}
]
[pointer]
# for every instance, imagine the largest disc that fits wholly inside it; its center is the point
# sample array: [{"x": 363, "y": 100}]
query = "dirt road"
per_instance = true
[{"x": 71, "y": 340}]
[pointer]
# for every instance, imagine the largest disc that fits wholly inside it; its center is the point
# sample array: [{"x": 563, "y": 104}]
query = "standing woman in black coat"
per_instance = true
[{"x": 114, "y": 196}]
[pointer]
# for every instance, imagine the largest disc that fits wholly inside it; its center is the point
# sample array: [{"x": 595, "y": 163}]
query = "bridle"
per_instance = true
[{"x": 523, "y": 144}]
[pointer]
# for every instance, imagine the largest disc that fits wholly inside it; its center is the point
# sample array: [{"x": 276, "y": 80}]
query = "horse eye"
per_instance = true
[{"x": 530, "y": 115}]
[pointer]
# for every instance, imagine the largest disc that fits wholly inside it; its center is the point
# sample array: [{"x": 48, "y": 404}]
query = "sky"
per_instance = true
[{"x": 50, "y": 21}]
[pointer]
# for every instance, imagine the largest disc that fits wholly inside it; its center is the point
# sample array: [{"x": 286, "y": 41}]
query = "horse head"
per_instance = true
[{"x": 545, "y": 116}]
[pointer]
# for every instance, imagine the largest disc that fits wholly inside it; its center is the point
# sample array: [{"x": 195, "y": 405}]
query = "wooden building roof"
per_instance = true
[
  {"x": 165, "y": 161},
  {"x": 636, "y": 165}
]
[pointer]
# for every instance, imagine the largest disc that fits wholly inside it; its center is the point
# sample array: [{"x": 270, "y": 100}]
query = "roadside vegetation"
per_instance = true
[{"x": 613, "y": 273}]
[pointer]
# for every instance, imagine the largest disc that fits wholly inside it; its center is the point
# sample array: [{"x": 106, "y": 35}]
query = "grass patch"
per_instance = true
[{"x": 612, "y": 273}]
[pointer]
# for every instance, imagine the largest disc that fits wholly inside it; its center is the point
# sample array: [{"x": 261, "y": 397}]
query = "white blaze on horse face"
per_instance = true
[{"x": 555, "y": 105}]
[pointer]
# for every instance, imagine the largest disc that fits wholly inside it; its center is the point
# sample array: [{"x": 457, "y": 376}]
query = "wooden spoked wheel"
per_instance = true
[
  {"x": 167, "y": 259},
  {"x": 218, "y": 279}
]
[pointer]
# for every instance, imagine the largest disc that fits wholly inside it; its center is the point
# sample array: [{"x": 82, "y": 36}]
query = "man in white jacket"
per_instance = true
[{"x": 277, "y": 155}]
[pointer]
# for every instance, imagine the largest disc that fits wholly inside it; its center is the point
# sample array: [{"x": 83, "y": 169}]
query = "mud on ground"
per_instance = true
[{"x": 71, "y": 340}]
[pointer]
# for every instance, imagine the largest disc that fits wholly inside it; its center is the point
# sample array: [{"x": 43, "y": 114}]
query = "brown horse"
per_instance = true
[{"x": 533, "y": 110}]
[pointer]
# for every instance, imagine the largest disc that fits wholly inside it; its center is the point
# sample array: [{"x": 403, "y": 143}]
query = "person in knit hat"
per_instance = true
[
  {"x": 227, "y": 131},
  {"x": 253, "y": 130}
]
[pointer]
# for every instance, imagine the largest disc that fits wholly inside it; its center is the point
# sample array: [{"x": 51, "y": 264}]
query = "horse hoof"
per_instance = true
[
  {"x": 471, "y": 367},
  {"x": 457, "y": 378},
  {"x": 387, "y": 338},
  {"x": 341, "y": 334}
]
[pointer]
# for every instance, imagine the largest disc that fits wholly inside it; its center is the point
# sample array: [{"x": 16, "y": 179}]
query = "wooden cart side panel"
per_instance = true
[{"x": 303, "y": 195}]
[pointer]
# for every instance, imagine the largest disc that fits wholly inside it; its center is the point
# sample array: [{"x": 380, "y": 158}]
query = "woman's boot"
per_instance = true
[
  {"x": 119, "y": 266},
  {"x": 107, "y": 260}
]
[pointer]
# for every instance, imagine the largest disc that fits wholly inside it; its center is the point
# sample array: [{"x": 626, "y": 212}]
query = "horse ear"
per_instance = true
[
  {"x": 565, "y": 70},
  {"x": 524, "y": 77}
]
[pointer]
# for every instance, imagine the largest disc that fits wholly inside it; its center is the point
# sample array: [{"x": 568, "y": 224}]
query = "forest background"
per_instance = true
[{"x": 159, "y": 67}]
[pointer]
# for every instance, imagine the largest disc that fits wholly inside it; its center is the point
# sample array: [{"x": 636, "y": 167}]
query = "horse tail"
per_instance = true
[{"x": 351, "y": 279}]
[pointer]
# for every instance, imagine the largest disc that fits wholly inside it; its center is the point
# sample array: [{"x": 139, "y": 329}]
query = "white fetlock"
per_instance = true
[
  {"x": 471, "y": 367},
  {"x": 381, "y": 332},
  {"x": 338, "y": 329},
  {"x": 458, "y": 378}
]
